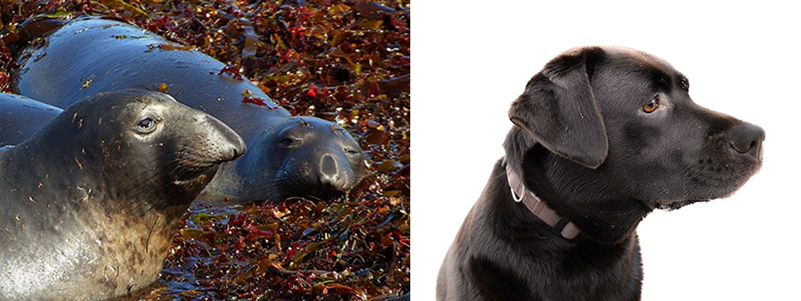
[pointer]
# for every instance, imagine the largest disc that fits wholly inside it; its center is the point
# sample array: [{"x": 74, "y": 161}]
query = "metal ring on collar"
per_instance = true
[{"x": 514, "y": 195}]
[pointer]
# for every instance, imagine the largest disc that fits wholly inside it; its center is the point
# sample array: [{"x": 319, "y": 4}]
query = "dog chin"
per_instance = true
[
  {"x": 677, "y": 204},
  {"x": 670, "y": 205}
]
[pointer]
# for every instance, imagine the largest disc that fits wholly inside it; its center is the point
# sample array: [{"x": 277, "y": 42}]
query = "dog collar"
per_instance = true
[{"x": 560, "y": 225}]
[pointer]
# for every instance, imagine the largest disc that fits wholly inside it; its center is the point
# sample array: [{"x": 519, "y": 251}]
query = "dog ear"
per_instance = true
[{"x": 558, "y": 108}]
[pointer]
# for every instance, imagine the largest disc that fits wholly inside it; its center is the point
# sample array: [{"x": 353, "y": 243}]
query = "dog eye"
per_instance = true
[{"x": 651, "y": 105}]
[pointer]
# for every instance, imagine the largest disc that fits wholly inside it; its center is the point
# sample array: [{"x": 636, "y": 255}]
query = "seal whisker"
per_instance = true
[
  {"x": 147, "y": 175},
  {"x": 152, "y": 226},
  {"x": 266, "y": 187},
  {"x": 148, "y": 178}
]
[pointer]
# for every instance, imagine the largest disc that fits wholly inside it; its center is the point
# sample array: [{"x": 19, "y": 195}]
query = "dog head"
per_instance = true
[{"x": 615, "y": 128}]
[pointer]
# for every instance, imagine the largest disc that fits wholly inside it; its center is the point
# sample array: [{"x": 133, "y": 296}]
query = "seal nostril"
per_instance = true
[
  {"x": 230, "y": 145},
  {"x": 328, "y": 166},
  {"x": 238, "y": 150}
]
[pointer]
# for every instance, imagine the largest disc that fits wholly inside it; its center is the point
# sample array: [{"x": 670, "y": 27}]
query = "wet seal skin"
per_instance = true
[
  {"x": 289, "y": 156},
  {"x": 602, "y": 136},
  {"x": 91, "y": 200},
  {"x": 21, "y": 117}
]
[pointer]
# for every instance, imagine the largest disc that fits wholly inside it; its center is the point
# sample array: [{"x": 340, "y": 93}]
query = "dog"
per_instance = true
[{"x": 602, "y": 136}]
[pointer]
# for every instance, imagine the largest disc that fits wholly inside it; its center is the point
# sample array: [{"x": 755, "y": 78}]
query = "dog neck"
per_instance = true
[
  {"x": 566, "y": 189},
  {"x": 520, "y": 194}
]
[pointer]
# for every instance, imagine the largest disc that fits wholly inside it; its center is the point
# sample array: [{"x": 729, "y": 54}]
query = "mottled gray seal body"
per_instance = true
[
  {"x": 21, "y": 117},
  {"x": 96, "y": 55},
  {"x": 91, "y": 201}
]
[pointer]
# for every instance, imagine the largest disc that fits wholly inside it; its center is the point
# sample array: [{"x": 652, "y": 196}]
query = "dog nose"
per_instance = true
[{"x": 747, "y": 138}]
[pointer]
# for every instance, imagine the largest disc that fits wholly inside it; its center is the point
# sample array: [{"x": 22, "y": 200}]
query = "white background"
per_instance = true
[{"x": 473, "y": 58}]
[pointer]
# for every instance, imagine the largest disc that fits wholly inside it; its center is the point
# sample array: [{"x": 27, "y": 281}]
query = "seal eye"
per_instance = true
[
  {"x": 146, "y": 125},
  {"x": 288, "y": 142},
  {"x": 351, "y": 151},
  {"x": 651, "y": 105}
]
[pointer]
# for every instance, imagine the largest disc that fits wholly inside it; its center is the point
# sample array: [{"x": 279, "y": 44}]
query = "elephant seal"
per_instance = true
[
  {"x": 21, "y": 117},
  {"x": 290, "y": 156},
  {"x": 91, "y": 201}
]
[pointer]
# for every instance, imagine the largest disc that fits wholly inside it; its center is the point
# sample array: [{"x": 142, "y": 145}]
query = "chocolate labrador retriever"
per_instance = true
[{"x": 602, "y": 136}]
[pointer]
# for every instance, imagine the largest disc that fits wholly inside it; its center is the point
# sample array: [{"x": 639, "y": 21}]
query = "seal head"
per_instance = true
[
  {"x": 92, "y": 200},
  {"x": 309, "y": 157}
]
